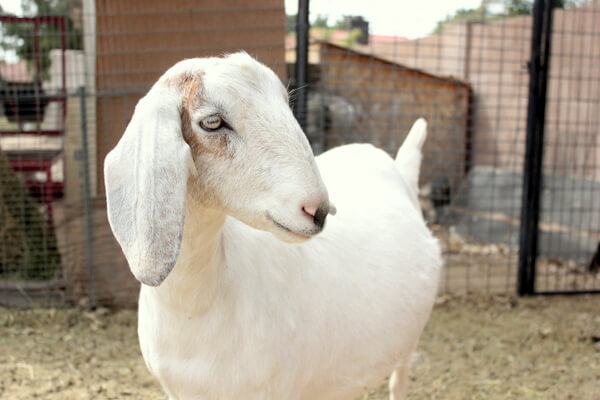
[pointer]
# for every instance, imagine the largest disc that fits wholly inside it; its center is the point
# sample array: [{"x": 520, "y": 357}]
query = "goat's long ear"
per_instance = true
[{"x": 146, "y": 177}]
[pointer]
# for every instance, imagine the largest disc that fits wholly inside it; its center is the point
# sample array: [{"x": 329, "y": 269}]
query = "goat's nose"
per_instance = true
[{"x": 319, "y": 214}]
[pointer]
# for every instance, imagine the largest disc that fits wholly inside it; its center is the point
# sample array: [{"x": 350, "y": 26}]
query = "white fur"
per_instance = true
[{"x": 244, "y": 315}]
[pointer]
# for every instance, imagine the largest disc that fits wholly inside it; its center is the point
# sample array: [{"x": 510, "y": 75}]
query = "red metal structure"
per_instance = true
[{"x": 27, "y": 104}]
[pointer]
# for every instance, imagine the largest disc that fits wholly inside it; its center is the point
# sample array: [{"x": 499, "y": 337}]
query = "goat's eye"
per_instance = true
[{"x": 212, "y": 123}]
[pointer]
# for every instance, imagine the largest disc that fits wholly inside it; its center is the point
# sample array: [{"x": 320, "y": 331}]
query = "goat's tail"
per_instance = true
[{"x": 409, "y": 156}]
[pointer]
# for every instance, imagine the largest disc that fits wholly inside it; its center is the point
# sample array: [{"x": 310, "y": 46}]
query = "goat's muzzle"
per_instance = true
[{"x": 319, "y": 214}]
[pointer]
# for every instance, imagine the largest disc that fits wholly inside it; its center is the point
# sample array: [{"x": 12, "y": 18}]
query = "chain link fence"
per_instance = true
[
  {"x": 70, "y": 79},
  {"x": 471, "y": 81}
]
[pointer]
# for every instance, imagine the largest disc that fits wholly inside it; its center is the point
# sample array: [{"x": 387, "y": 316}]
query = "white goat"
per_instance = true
[{"x": 212, "y": 152}]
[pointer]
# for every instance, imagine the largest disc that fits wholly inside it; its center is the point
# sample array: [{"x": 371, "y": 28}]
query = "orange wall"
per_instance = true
[{"x": 137, "y": 40}]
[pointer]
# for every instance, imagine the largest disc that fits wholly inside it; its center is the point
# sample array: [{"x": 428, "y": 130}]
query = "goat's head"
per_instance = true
[{"x": 218, "y": 132}]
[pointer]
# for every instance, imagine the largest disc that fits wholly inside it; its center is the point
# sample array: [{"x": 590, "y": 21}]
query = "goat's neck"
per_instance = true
[{"x": 193, "y": 283}]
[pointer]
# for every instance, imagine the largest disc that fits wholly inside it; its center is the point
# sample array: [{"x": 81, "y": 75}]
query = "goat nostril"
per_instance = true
[
  {"x": 310, "y": 210},
  {"x": 320, "y": 215},
  {"x": 317, "y": 214}
]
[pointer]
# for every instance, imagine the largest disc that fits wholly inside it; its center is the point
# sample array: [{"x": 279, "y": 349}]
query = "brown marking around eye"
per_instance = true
[{"x": 190, "y": 86}]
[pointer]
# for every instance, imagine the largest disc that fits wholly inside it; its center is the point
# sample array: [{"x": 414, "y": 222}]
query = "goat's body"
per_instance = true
[{"x": 246, "y": 316}]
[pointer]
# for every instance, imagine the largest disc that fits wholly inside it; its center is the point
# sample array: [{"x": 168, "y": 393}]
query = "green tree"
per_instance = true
[
  {"x": 511, "y": 8},
  {"x": 322, "y": 28},
  {"x": 352, "y": 38},
  {"x": 320, "y": 22},
  {"x": 518, "y": 7},
  {"x": 463, "y": 14},
  {"x": 343, "y": 22},
  {"x": 525, "y": 7},
  {"x": 21, "y": 35}
]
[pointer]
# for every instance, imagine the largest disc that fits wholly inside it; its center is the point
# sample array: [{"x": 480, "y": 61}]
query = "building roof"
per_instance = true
[
  {"x": 314, "y": 57},
  {"x": 394, "y": 64}
]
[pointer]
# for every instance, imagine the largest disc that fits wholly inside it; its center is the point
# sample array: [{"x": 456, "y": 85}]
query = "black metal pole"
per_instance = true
[
  {"x": 301, "y": 70},
  {"x": 534, "y": 151}
]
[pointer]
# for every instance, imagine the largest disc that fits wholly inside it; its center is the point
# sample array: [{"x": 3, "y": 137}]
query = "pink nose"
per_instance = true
[
  {"x": 310, "y": 210},
  {"x": 318, "y": 214}
]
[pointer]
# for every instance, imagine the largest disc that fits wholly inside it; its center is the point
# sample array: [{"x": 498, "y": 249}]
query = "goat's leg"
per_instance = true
[{"x": 399, "y": 382}]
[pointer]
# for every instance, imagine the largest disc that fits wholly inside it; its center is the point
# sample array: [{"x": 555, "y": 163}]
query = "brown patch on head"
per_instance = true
[
  {"x": 190, "y": 87},
  {"x": 183, "y": 82}
]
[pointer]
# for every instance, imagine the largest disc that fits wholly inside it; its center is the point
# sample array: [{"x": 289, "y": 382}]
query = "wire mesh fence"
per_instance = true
[
  {"x": 470, "y": 80},
  {"x": 56, "y": 244},
  {"x": 569, "y": 237},
  {"x": 472, "y": 89},
  {"x": 71, "y": 78}
]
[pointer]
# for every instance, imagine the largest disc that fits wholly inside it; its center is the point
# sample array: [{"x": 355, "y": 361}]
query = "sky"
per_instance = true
[
  {"x": 12, "y": 6},
  {"x": 408, "y": 18}
]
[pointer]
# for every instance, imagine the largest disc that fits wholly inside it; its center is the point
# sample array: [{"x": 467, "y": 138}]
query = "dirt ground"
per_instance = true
[{"x": 473, "y": 348}]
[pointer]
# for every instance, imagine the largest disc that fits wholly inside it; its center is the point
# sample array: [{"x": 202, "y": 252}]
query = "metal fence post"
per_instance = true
[
  {"x": 534, "y": 151},
  {"x": 87, "y": 202},
  {"x": 301, "y": 68}
]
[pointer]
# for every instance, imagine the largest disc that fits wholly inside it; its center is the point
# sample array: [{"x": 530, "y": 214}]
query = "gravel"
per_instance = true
[{"x": 475, "y": 347}]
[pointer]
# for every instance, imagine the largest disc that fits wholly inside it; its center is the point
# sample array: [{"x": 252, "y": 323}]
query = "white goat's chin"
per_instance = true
[{"x": 288, "y": 234}]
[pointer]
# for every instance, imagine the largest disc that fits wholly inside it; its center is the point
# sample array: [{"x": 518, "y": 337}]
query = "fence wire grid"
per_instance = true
[{"x": 69, "y": 82}]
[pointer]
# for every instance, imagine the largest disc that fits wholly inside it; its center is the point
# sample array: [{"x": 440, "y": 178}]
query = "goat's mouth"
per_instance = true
[{"x": 297, "y": 234}]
